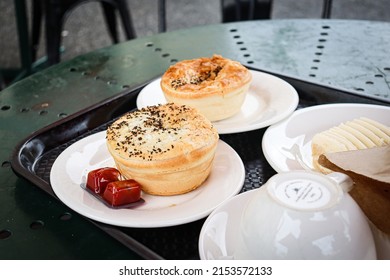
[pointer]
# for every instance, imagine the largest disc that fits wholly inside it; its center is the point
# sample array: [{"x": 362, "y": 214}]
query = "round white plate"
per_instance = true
[
  {"x": 226, "y": 180},
  {"x": 269, "y": 100},
  {"x": 220, "y": 230},
  {"x": 287, "y": 145}
]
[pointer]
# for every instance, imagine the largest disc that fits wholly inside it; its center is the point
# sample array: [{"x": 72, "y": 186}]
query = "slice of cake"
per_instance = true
[{"x": 357, "y": 134}]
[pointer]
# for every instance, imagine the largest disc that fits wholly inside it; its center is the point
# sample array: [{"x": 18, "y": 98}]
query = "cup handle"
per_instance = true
[{"x": 344, "y": 181}]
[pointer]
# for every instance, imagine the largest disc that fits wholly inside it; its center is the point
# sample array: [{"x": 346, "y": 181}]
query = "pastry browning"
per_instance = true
[
  {"x": 216, "y": 86},
  {"x": 168, "y": 149}
]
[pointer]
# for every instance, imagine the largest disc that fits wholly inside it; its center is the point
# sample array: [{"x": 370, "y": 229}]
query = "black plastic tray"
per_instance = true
[{"x": 34, "y": 156}]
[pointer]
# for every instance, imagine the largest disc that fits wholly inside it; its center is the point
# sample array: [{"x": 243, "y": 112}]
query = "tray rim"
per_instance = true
[{"x": 114, "y": 231}]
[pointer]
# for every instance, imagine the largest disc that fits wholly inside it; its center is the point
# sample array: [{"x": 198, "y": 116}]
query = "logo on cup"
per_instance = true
[{"x": 303, "y": 194}]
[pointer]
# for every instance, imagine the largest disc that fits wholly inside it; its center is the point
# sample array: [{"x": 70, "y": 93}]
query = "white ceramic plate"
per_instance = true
[
  {"x": 226, "y": 180},
  {"x": 287, "y": 145},
  {"x": 219, "y": 232},
  {"x": 269, "y": 100}
]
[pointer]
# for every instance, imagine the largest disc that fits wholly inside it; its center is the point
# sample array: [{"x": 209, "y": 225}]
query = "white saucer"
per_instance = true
[
  {"x": 269, "y": 100},
  {"x": 220, "y": 230},
  {"x": 287, "y": 144},
  {"x": 226, "y": 180}
]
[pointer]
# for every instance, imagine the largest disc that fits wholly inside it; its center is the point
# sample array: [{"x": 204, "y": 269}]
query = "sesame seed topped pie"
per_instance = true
[
  {"x": 168, "y": 149},
  {"x": 216, "y": 86}
]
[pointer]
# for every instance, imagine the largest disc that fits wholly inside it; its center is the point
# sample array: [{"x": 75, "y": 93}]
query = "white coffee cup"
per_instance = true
[{"x": 304, "y": 215}]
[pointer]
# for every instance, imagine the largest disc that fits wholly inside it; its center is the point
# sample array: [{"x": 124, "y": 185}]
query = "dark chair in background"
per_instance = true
[
  {"x": 239, "y": 10},
  {"x": 231, "y": 11},
  {"x": 55, "y": 13}
]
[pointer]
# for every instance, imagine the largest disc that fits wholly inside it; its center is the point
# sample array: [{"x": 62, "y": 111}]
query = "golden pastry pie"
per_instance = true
[
  {"x": 169, "y": 149},
  {"x": 216, "y": 86}
]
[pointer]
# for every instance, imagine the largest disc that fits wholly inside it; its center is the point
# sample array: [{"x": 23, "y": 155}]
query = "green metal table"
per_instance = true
[{"x": 350, "y": 55}]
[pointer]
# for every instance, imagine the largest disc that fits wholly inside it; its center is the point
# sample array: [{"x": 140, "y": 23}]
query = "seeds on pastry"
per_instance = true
[
  {"x": 168, "y": 149},
  {"x": 216, "y": 86}
]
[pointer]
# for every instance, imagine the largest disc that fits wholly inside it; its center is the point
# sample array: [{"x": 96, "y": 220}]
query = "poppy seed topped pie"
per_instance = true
[
  {"x": 169, "y": 149},
  {"x": 216, "y": 86}
]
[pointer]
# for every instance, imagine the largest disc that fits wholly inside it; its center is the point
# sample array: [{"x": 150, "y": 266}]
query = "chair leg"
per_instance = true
[
  {"x": 54, "y": 21},
  {"x": 109, "y": 15},
  {"x": 327, "y": 8},
  {"x": 55, "y": 11},
  {"x": 126, "y": 19},
  {"x": 162, "y": 19},
  {"x": 36, "y": 27}
]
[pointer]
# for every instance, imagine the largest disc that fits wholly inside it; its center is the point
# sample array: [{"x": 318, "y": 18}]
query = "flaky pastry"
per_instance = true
[
  {"x": 216, "y": 86},
  {"x": 169, "y": 149}
]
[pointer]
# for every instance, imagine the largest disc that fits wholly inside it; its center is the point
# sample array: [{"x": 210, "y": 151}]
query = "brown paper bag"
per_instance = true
[{"x": 370, "y": 170}]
